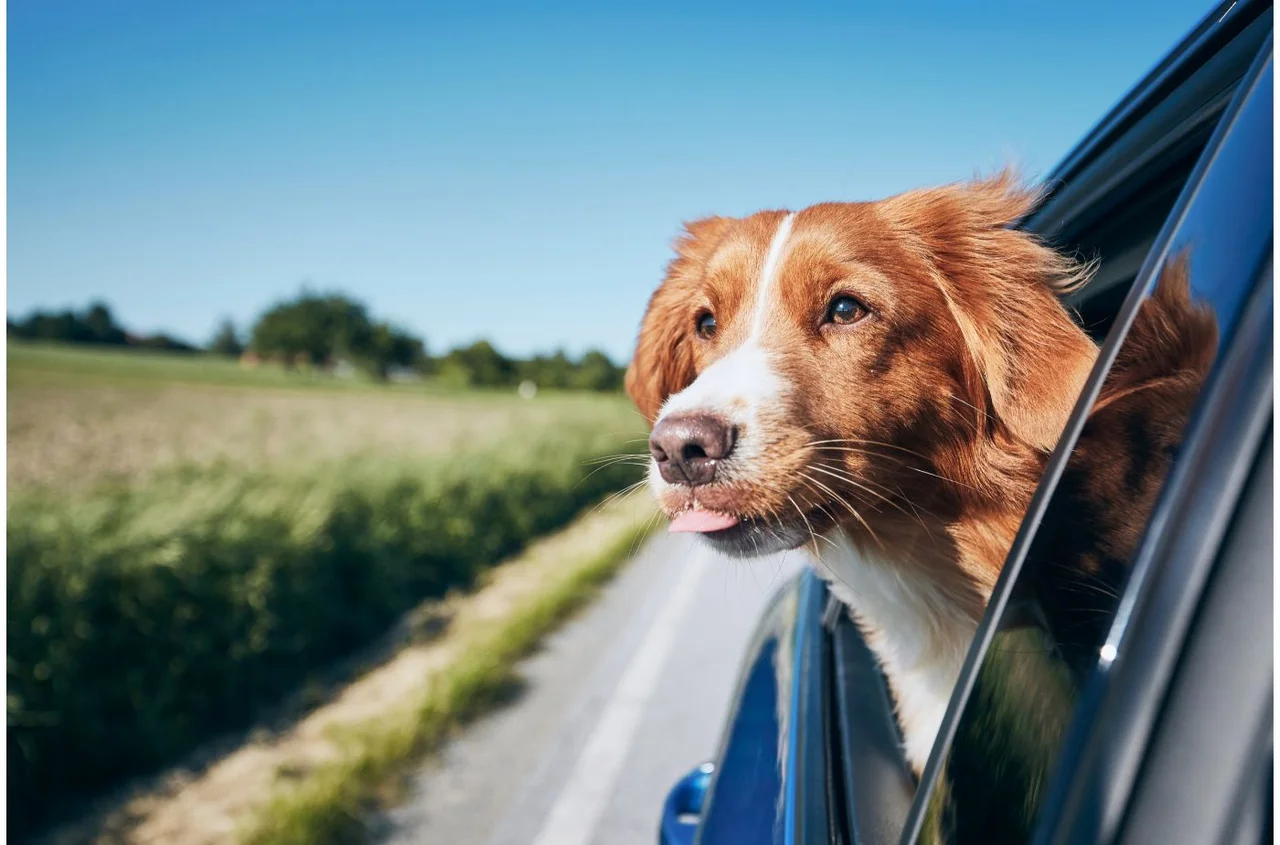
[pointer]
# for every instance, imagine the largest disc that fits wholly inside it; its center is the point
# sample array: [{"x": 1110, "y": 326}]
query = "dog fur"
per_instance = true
[{"x": 903, "y": 446}]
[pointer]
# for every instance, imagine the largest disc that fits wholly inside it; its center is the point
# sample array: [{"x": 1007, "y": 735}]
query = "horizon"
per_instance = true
[{"x": 516, "y": 178}]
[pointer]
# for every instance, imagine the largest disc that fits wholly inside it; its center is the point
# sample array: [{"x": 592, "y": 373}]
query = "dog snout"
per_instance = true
[{"x": 688, "y": 447}]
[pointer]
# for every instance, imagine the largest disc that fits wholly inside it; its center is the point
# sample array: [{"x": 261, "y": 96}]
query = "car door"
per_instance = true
[{"x": 1111, "y": 693}]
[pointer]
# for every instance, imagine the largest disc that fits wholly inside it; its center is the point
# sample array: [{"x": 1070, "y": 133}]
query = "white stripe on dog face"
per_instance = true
[
  {"x": 737, "y": 385},
  {"x": 769, "y": 275}
]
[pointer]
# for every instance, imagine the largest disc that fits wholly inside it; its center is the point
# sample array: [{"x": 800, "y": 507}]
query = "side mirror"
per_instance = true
[{"x": 683, "y": 807}]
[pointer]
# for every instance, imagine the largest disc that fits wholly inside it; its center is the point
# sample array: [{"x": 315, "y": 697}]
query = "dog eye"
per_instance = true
[
  {"x": 706, "y": 324},
  {"x": 845, "y": 310}
]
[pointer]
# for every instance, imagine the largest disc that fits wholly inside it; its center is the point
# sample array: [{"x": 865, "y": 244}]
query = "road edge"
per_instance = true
[{"x": 332, "y": 803}]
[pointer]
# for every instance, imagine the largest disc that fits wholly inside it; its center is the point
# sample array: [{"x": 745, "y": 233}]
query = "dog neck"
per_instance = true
[{"x": 917, "y": 591}]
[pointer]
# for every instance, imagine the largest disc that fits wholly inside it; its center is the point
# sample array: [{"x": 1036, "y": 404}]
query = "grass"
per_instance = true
[
  {"x": 182, "y": 552},
  {"x": 30, "y": 361},
  {"x": 330, "y": 805},
  {"x": 77, "y": 418}
]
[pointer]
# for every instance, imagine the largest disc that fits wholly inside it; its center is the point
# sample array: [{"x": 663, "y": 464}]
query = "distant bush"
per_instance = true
[
  {"x": 481, "y": 365},
  {"x": 163, "y": 343},
  {"x": 593, "y": 372},
  {"x": 142, "y": 621}
]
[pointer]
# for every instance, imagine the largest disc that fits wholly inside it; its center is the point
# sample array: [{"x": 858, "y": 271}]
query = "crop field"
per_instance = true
[{"x": 188, "y": 540}]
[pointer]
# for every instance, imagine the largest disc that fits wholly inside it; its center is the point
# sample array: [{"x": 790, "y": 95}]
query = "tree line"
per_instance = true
[
  {"x": 94, "y": 325},
  {"x": 333, "y": 331}
]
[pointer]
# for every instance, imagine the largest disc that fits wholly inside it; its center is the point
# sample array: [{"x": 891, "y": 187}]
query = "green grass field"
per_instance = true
[
  {"x": 79, "y": 417},
  {"x": 39, "y": 361},
  {"x": 188, "y": 540}
]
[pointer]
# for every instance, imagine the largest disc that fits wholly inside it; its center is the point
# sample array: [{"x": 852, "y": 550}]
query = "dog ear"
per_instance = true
[
  {"x": 663, "y": 361},
  {"x": 1002, "y": 286}
]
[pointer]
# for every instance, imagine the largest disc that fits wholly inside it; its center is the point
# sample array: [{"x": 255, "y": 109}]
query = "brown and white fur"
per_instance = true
[{"x": 900, "y": 438}]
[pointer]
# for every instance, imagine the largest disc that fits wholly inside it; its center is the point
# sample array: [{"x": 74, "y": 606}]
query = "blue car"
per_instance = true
[{"x": 1157, "y": 726}]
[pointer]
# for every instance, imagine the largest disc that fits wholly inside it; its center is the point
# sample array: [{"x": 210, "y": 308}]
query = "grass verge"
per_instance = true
[
  {"x": 330, "y": 804},
  {"x": 146, "y": 620}
]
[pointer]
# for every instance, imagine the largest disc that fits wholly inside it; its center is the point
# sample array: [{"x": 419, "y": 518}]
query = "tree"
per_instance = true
[
  {"x": 226, "y": 340},
  {"x": 391, "y": 347},
  {"x": 553, "y": 371},
  {"x": 317, "y": 328},
  {"x": 597, "y": 372},
  {"x": 322, "y": 330},
  {"x": 101, "y": 327},
  {"x": 96, "y": 325},
  {"x": 480, "y": 365}
]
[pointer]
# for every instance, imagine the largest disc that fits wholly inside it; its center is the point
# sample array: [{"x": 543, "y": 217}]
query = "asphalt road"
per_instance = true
[{"x": 620, "y": 703}]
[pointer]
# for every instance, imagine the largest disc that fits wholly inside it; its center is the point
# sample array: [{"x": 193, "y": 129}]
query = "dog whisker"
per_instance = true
[
  {"x": 849, "y": 479},
  {"x": 858, "y": 441},
  {"x": 944, "y": 478},
  {"x": 648, "y": 526},
  {"x": 609, "y": 460},
  {"x": 619, "y": 495},
  {"x": 593, "y": 472},
  {"x": 898, "y": 460},
  {"x": 809, "y": 526},
  {"x": 883, "y": 492},
  {"x": 852, "y": 510},
  {"x": 980, "y": 424}
]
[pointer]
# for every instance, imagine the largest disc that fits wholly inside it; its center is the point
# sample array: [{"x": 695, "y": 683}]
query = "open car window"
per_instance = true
[
  {"x": 1112, "y": 200},
  {"x": 1053, "y": 620}
]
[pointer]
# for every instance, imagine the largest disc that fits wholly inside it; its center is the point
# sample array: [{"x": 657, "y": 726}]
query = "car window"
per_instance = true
[
  {"x": 1050, "y": 634},
  {"x": 1109, "y": 200}
]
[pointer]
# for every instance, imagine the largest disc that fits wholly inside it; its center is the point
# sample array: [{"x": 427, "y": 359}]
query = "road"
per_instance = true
[{"x": 618, "y": 704}]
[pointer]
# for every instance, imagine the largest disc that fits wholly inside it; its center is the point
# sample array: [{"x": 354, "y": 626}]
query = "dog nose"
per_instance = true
[{"x": 687, "y": 447}]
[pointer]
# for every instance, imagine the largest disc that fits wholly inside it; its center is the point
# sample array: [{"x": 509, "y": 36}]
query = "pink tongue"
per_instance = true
[{"x": 702, "y": 522}]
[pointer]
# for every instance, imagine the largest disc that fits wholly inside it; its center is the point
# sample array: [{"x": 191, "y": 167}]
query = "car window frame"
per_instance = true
[{"x": 1173, "y": 563}]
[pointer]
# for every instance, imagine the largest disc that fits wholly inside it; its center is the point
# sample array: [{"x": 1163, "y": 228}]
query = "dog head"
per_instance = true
[{"x": 820, "y": 368}]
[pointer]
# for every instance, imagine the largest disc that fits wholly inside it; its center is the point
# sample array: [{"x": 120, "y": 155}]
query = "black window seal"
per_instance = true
[{"x": 876, "y": 781}]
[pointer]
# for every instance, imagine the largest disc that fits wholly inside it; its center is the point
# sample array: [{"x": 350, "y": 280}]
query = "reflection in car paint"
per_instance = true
[
  {"x": 745, "y": 802},
  {"x": 770, "y": 784}
]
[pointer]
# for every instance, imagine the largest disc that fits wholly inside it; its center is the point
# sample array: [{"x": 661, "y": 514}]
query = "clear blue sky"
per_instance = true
[{"x": 471, "y": 169}]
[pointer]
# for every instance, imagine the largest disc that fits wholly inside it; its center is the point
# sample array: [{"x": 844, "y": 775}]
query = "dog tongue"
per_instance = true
[{"x": 702, "y": 521}]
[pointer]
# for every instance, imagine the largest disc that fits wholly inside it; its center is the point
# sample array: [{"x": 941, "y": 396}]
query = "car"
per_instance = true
[{"x": 1158, "y": 728}]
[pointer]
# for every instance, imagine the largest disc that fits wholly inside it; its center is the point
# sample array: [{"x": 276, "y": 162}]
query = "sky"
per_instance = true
[{"x": 515, "y": 172}]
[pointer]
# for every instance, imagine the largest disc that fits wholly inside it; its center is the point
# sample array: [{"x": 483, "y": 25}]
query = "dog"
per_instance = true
[{"x": 879, "y": 381}]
